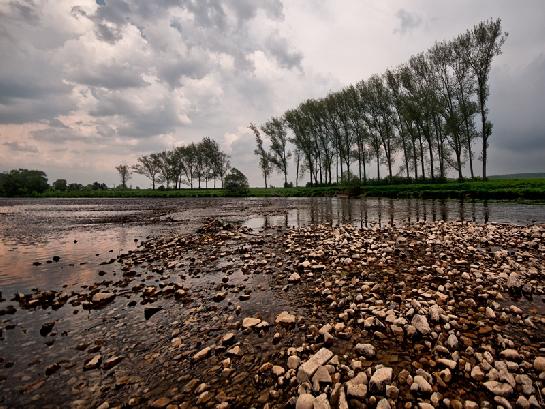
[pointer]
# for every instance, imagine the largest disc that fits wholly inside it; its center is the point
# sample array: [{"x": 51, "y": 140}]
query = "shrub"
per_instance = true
[{"x": 236, "y": 183}]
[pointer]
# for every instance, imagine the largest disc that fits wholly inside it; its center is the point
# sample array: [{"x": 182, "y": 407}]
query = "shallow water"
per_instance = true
[{"x": 87, "y": 232}]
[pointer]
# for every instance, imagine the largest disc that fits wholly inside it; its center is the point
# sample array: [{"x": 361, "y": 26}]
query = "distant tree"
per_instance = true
[
  {"x": 265, "y": 162},
  {"x": 60, "y": 185},
  {"x": 487, "y": 40},
  {"x": 97, "y": 186},
  {"x": 74, "y": 187},
  {"x": 236, "y": 183},
  {"x": 124, "y": 174},
  {"x": 221, "y": 166},
  {"x": 189, "y": 157},
  {"x": 23, "y": 182},
  {"x": 148, "y": 166}
]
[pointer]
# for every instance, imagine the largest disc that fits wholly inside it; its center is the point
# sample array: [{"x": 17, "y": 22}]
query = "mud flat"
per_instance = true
[{"x": 435, "y": 314}]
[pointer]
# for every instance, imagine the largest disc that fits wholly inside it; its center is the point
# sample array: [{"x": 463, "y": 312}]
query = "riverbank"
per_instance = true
[
  {"x": 500, "y": 189},
  {"x": 441, "y": 313}
]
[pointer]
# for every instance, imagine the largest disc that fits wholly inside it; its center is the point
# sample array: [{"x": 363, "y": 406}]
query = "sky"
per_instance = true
[{"x": 87, "y": 85}]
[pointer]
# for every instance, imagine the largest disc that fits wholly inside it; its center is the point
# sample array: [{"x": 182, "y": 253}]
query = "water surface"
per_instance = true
[{"x": 85, "y": 233}]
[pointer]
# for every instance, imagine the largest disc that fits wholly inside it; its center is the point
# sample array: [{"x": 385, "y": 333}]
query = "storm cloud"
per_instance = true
[{"x": 87, "y": 84}]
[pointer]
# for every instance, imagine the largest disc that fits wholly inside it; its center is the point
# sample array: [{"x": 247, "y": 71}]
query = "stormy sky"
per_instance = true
[{"x": 86, "y": 85}]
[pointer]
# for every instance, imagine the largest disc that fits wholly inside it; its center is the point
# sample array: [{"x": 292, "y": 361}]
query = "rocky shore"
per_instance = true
[{"x": 442, "y": 314}]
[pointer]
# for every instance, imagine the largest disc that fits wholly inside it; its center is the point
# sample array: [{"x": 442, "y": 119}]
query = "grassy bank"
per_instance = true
[{"x": 513, "y": 189}]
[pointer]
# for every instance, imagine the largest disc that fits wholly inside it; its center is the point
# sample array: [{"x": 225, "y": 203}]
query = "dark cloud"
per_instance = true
[
  {"x": 110, "y": 76},
  {"x": 278, "y": 47},
  {"x": 407, "y": 21},
  {"x": 516, "y": 108}
]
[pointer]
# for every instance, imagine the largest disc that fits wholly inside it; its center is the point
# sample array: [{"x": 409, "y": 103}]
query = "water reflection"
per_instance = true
[{"x": 366, "y": 212}]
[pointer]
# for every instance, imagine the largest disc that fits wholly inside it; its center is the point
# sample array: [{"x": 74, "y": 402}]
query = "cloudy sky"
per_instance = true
[{"x": 85, "y": 85}]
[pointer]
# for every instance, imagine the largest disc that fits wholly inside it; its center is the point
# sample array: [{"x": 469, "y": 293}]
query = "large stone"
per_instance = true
[
  {"x": 93, "y": 363},
  {"x": 510, "y": 354},
  {"x": 366, "y": 350},
  {"x": 250, "y": 322},
  {"x": 358, "y": 391},
  {"x": 305, "y": 401},
  {"x": 294, "y": 278},
  {"x": 306, "y": 370},
  {"x": 449, "y": 363},
  {"x": 102, "y": 298},
  {"x": 514, "y": 284},
  {"x": 452, "y": 341},
  {"x": 293, "y": 362},
  {"x": 320, "y": 377},
  {"x": 203, "y": 353},
  {"x": 423, "y": 384},
  {"x": 321, "y": 402},
  {"x": 499, "y": 388},
  {"x": 421, "y": 324},
  {"x": 379, "y": 380},
  {"x": 539, "y": 364},
  {"x": 285, "y": 318},
  {"x": 383, "y": 404}
]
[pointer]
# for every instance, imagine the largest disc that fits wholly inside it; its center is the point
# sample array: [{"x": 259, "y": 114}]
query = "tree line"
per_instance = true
[
  {"x": 191, "y": 165},
  {"x": 424, "y": 115}
]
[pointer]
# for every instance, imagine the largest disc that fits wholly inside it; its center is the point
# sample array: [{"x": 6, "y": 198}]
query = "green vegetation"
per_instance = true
[
  {"x": 236, "y": 183},
  {"x": 512, "y": 189},
  {"x": 22, "y": 182}
]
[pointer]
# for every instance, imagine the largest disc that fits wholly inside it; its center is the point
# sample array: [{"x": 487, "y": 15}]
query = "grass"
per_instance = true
[{"x": 511, "y": 189}]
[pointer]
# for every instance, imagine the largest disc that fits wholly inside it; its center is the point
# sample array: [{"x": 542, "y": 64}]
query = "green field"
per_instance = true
[{"x": 513, "y": 189}]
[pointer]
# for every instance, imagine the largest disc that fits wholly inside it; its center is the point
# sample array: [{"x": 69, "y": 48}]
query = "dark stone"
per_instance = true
[
  {"x": 150, "y": 311},
  {"x": 46, "y": 328}
]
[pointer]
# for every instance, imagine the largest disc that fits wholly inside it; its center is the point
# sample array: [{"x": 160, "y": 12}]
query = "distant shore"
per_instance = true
[{"x": 501, "y": 189}]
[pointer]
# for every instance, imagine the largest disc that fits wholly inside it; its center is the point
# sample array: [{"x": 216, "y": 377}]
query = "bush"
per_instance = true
[{"x": 236, "y": 183}]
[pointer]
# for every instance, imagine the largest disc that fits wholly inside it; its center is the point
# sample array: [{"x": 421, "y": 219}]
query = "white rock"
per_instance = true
[
  {"x": 367, "y": 350},
  {"x": 510, "y": 354},
  {"x": 102, "y": 298},
  {"x": 250, "y": 322},
  {"x": 321, "y": 402},
  {"x": 305, "y": 401},
  {"x": 293, "y": 362},
  {"x": 380, "y": 379},
  {"x": 356, "y": 391},
  {"x": 383, "y": 404},
  {"x": 294, "y": 278},
  {"x": 421, "y": 324},
  {"x": 202, "y": 354},
  {"x": 449, "y": 363},
  {"x": 307, "y": 369},
  {"x": 285, "y": 318},
  {"x": 423, "y": 384},
  {"x": 452, "y": 341},
  {"x": 499, "y": 388}
]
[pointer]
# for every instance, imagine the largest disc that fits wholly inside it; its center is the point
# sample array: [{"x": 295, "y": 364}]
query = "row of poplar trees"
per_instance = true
[
  {"x": 191, "y": 165},
  {"x": 425, "y": 114}
]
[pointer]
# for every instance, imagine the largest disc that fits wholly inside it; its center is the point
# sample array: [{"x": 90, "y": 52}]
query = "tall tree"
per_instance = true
[
  {"x": 487, "y": 39},
  {"x": 465, "y": 91},
  {"x": 275, "y": 129},
  {"x": 265, "y": 162}
]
